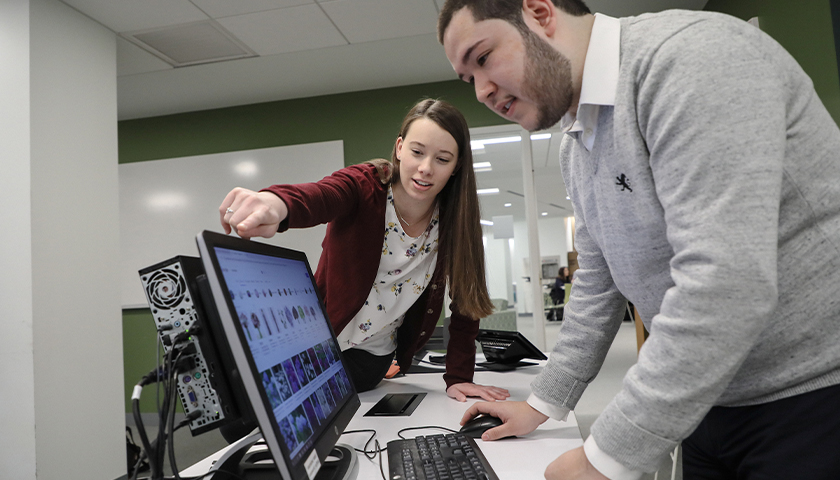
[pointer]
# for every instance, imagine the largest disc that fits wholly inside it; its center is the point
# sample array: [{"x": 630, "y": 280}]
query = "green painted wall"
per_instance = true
[
  {"x": 804, "y": 28},
  {"x": 366, "y": 121},
  {"x": 140, "y": 355}
]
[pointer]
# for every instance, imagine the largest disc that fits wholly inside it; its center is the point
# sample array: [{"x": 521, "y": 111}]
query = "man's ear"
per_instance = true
[{"x": 540, "y": 13}]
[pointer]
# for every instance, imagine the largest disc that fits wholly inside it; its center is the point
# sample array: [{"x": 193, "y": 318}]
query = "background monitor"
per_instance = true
[{"x": 283, "y": 346}]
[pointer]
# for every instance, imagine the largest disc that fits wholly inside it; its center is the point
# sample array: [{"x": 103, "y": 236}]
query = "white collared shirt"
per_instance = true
[{"x": 600, "y": 79}]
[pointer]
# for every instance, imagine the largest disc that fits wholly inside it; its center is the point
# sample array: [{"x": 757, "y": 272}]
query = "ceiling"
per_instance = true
[
  {"x": 303, "y": 48},
  {"x": 281, "y": 49}
]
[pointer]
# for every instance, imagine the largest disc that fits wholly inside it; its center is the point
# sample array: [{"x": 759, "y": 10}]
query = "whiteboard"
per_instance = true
[{"x": 164, "y": 204}]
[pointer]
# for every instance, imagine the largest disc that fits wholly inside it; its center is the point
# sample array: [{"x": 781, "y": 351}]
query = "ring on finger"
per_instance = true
[{"x": 229, "y": 210}]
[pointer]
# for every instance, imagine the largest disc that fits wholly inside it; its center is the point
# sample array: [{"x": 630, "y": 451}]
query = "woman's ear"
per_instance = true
[
  {"x": 398, "y": 147},
  {"x": 540, "y": 13}
]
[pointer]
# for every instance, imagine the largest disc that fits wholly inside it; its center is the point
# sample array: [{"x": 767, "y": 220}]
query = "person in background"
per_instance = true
[
  {"x": 703, "y": 170},
  {"x": 558, "y": 290},
  {"x": 397, "y": 233}
]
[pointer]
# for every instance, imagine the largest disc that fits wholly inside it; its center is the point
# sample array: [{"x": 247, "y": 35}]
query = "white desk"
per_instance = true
[{"x": 523, "y": 458}]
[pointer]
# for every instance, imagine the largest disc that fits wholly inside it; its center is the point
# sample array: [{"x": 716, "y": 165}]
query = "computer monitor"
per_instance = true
[{"x": 283, "y": 346}]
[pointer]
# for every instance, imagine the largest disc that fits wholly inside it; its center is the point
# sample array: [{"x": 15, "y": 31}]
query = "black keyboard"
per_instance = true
[{"x": 438, "y": 457}]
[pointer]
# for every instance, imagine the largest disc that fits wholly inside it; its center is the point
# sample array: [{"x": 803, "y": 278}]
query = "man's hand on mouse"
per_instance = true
[
  {"x": 519, "y": 418},
  {"x": 460, "y": 392}
]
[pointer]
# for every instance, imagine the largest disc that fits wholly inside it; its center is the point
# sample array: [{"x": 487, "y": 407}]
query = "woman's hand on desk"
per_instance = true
[
  {"x": 460, "y": 392},
  {"x": 252, "y": 214},
  {"x": 519, "y": 418}
]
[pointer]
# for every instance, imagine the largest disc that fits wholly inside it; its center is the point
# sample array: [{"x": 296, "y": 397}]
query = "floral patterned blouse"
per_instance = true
[{"x": 405, "y": 268}]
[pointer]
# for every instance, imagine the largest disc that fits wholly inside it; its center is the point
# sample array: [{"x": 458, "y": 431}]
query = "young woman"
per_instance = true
[{"x": 384, "y": 296}]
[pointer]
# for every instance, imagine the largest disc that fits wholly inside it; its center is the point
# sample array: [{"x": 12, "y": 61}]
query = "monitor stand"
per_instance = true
[
  {"x": 239, "y": 464},
  {"x": 503, "y": 367}
]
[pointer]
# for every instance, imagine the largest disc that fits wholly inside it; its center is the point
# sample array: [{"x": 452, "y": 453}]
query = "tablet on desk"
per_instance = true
[{"x": 396, "y": 405}]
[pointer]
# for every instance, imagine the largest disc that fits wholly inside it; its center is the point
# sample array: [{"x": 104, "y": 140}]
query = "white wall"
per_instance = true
[
  {"x": 17, "y": 415},
  {"x": 553, "y": 242},
  {"x": 67, "y": 332},
  {"x": 553, "y": 238},
  {"x": 496, "y": 265}
]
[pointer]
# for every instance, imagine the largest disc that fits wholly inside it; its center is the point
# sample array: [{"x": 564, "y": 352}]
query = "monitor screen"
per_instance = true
[{"x": 283, "y": 346}]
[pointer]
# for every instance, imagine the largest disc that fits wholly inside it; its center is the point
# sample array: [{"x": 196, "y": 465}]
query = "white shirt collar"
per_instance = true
[{"x": 600, "y": 78}]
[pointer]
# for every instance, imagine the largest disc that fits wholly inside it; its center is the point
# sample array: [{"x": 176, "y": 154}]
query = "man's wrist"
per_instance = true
[
  {"x": 547, "y": 409},
  {"x": 607, "y": 465}
]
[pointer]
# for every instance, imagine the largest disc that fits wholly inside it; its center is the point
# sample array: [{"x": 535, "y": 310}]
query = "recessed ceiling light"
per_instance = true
[
  {"x": 486, "y": 222},
  {"x": 508, "y": 205},
  {"x": 488, "y": 191},
  {"x": 478, "y": 145},
  {"x": 544, "y": 214},
  {"x": 482, "y": 167}
]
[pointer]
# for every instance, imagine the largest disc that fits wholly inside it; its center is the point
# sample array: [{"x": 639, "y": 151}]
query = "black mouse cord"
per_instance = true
[
  {"x": 424, "y": 427},
  {"x": 370, "y": 454}
]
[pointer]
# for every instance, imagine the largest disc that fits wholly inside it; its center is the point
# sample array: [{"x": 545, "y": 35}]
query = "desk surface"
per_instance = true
[{"x": 523, "y": 458}]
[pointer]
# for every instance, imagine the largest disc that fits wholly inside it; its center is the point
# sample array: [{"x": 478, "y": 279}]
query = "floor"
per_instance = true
[{"x": 621, "y": 356}]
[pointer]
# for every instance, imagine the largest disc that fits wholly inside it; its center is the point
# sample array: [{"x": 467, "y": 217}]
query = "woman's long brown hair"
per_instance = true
[{"x": 460, "y": 241}]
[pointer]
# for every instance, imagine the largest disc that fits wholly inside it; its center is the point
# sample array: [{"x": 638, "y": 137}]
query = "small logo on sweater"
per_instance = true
[{"x": 623, "y": 182}]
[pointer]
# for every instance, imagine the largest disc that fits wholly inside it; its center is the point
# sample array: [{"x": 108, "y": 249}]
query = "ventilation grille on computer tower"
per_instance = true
[{"x": 165, "y": 288}]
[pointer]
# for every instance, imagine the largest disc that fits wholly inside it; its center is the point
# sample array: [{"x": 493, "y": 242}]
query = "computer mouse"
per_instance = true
[{"x": 475, "y": 427}]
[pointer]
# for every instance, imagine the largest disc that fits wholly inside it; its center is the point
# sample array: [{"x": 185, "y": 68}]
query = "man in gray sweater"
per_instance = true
[{"x": 705, "y": 177}]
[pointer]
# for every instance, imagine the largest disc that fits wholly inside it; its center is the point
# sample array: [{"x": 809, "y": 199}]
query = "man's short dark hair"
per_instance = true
[{"x": 507, "y": 10}]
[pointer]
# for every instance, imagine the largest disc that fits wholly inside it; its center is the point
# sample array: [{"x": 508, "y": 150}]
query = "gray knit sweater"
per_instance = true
[{"x": 727, "y": 239}]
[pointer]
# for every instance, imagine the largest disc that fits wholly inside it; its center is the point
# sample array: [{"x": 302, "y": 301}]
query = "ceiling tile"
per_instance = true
[
  {"x": 132, "y": 59},
  {"x": 284, "y": 30},
  {"x": 228, "y": 8},
  {"x": 369, "y": 20},
  {"x": 128, "y": 15}
]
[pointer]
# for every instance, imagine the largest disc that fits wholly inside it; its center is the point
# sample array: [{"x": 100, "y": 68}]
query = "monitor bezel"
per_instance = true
[{"x": 322, "y": 446}]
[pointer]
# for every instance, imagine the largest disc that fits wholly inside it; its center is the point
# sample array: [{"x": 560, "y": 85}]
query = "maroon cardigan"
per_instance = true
[{"x": 351, "y": 202}]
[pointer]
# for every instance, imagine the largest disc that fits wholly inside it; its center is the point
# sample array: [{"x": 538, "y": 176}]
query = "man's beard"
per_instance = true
[{"x": 548, "y": 80}]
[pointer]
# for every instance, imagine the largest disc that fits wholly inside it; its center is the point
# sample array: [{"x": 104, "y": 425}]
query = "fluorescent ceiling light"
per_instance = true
[
  {"x": 491, "y": 141},
  {"x": 488, "y": 191},
  {"x": 508, "y": 205},
  {"x": 486, "y": 222},
  {"x": 479, "y": 144},
  {"x": 482, "y": 166},
  {"x": 544, "y": 214}
]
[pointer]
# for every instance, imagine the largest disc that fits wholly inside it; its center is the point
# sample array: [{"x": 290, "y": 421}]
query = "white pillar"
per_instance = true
[
  {"x": 531, "y": 216},
  {"x": 61, "y": 358},
  {"x": 17, "y": 395}
]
